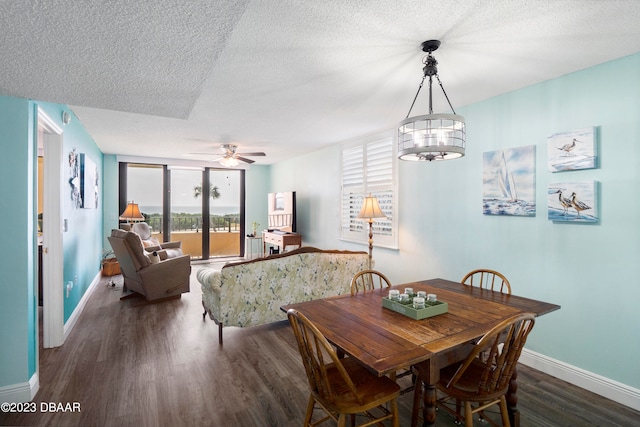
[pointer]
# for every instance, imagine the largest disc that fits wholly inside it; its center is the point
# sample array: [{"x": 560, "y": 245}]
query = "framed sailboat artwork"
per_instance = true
[
  {"x": 508, "y": 182},
  {"x": 574, "y": 150}
]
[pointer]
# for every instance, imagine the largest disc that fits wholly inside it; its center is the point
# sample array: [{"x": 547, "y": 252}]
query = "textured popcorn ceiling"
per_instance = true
[{"x": 173, "y": 77}]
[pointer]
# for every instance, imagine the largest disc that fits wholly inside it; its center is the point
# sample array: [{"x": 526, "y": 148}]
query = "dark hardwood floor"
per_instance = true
[{"x": 135, "y": 365}]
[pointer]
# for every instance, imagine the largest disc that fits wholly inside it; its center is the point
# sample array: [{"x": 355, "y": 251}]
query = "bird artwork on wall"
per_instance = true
[
  {"x": 574, "y": 150},
  {"x": 580, "y": 206},
  {"x": 568, "y": 147}
]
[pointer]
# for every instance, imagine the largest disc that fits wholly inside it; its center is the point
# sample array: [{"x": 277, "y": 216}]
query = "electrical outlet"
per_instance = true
[{"x": 69, "y": 287}]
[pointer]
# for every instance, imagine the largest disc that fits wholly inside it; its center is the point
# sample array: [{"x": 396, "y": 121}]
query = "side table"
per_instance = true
[{"x": 249, "y": 246}]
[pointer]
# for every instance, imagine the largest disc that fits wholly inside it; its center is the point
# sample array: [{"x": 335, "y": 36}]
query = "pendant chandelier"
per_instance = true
[{"x": 431, "y": 136}]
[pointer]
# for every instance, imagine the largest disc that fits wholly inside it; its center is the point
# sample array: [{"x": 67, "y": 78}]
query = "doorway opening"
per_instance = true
[{"x": 50, "y": 226}]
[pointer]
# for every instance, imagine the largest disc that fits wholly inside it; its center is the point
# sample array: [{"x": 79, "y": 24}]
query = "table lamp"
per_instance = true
[{"x": 131, "y": 213}]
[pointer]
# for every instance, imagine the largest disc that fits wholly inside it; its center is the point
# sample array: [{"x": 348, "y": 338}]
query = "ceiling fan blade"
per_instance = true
[
  {"x": 243, "y": 159},
  {"x": 251, "y": 154}
]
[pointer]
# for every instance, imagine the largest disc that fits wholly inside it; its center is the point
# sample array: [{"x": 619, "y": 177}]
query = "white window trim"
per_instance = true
[{"x": 360, "y": 183}]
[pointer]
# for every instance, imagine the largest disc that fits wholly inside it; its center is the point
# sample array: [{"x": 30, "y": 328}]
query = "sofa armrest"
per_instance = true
[
  {"x": 211, "y": 284},
  {"x": 166, "y": 278}
]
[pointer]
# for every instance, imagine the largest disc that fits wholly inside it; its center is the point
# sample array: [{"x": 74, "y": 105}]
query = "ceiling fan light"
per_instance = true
[{"x": 229, "y": 162}]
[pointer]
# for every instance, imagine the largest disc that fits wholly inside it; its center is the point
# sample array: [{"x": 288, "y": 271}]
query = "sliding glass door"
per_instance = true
[
  {"x": 186, "y": 210},
  {"x": 203, "y": 207},
  {"x": 225, "y": 207}
]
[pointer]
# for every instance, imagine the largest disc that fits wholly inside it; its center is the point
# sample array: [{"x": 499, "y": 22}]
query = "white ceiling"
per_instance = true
[{"x": 173, "y": 77}]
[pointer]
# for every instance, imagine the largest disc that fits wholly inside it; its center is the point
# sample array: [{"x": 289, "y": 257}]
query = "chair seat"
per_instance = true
[
  {"x": 467, "y": 385},
  {"x": 371, "y": 389}
]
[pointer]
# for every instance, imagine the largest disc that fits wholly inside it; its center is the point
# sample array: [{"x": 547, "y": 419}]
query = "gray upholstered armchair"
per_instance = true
[
  {"x": 151, "y": 244},
  {"x": 162, "y": 279}
]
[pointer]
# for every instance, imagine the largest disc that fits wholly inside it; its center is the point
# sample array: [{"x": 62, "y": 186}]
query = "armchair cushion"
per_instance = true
[
  {"x": 139, "y": 258},
  {"x": 143, "y": 230},
  {"x": 165, "y": 250}
]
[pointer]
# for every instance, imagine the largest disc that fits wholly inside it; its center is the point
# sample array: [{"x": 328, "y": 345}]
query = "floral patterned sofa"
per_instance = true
[{"x": 250, "y": 293}]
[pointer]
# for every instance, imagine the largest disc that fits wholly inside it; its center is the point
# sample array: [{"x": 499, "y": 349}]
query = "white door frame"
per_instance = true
[{"x": 52, "y": 224}]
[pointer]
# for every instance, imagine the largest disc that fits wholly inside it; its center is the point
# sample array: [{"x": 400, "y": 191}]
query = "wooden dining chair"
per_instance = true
[
  {"x": 481, "y": 382},
  {"x": 341, "y": 387},
  {"x": 368, "y": 279},
  {"x": 488, "y": 279}
]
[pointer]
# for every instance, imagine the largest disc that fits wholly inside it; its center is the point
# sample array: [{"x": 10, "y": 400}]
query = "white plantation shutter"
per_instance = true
[{"x": 369, "y": 167}]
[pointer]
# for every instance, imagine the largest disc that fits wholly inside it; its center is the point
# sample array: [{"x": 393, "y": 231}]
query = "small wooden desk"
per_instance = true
[
  {"x": 281, "y": 240},
  {"x": 386, "y": 341}
]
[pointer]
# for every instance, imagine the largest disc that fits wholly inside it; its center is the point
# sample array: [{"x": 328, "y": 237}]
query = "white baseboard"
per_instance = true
[
  {"x": 68, "y": 326},
  {"x": 22, "y": 392},
  {"x": 618, "y": 392}
]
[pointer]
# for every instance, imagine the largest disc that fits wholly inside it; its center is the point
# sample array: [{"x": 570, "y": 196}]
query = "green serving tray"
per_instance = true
[{"x": 430, "y": 309}]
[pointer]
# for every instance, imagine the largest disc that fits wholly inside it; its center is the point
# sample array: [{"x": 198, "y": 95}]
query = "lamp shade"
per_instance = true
[
  {"x": 229, "y": 162},
  {"x": 371, "y": 209},
  {"x": 131, "y": 213},
  {"x": 432, "y": 137}
]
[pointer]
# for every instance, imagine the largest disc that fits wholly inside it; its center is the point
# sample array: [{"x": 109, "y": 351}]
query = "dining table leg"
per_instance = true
[
  {"x": 427, "y": 377},
  {"x": 512, "y": 400}
]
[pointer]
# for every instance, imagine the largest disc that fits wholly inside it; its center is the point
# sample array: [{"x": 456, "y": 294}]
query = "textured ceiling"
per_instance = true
[{"x": 174, "y": 77}]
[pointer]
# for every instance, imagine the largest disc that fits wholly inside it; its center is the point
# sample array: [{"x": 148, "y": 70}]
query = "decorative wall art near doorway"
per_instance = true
[
  {"x": 574, "y": 150},
  {"x": 573, "y": 202},
  {"x": 89, "y": 189},
  {"x": 508, "y": 182}
]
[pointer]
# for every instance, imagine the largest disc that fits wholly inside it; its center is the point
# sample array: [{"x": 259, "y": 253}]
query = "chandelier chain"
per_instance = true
[
  {"x": 416, "y": 97},
  {"x": 445, "y": 94}
]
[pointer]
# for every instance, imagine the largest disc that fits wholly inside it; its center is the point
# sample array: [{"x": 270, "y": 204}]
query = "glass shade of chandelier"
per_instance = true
[{"x": 431, "y": 136}]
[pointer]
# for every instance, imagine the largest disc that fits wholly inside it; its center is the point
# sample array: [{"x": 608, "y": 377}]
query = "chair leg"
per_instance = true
[
  {"x": 309, "y": 414},
  {"x": 394, "y": 412},
  {"x": 504, "y": 412},
  {"x": 468, "y": 415}
]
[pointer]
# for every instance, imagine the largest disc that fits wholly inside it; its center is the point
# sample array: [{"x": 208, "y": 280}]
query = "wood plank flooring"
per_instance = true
[{"x": 161, "y": 365}]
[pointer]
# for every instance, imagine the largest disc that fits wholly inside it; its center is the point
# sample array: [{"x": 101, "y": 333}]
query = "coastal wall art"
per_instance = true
[
  {"x": 574, "y": 150},
  {"x": 573, "y": 202},
  {"x": 508, "y": 182},
  {"x": 88, "y": 183}
]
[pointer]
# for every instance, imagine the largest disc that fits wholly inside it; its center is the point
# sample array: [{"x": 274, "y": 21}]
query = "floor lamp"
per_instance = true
[{"x": 370, "y": 211}]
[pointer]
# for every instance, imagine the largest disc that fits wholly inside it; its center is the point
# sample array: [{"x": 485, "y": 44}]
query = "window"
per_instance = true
[{"x": 369, "y": 167}]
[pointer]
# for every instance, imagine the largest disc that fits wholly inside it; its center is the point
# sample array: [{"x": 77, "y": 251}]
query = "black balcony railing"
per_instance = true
[{"x": 227, "y": 223}]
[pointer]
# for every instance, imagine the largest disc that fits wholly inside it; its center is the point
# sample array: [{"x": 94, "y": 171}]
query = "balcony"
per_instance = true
[{"x": 224, "y": 233}]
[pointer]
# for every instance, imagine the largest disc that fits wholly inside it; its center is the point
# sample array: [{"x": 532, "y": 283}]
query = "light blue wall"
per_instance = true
[
  {"x": 590, "y": 270},
  {"x": 81, "y": 244},
  {"x": 17, "y": 300},
  {"x": 257, "y": 184}
]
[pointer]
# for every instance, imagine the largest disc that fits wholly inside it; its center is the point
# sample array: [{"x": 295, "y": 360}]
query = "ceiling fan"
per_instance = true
[{"x": 231, "y": 158}]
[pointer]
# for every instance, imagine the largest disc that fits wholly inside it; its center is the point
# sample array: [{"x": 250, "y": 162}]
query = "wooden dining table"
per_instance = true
[{"x": 386, "y": 341}]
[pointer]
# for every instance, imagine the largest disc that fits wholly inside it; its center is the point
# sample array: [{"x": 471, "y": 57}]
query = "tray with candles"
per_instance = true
[{"x": 406, "y": 307}]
